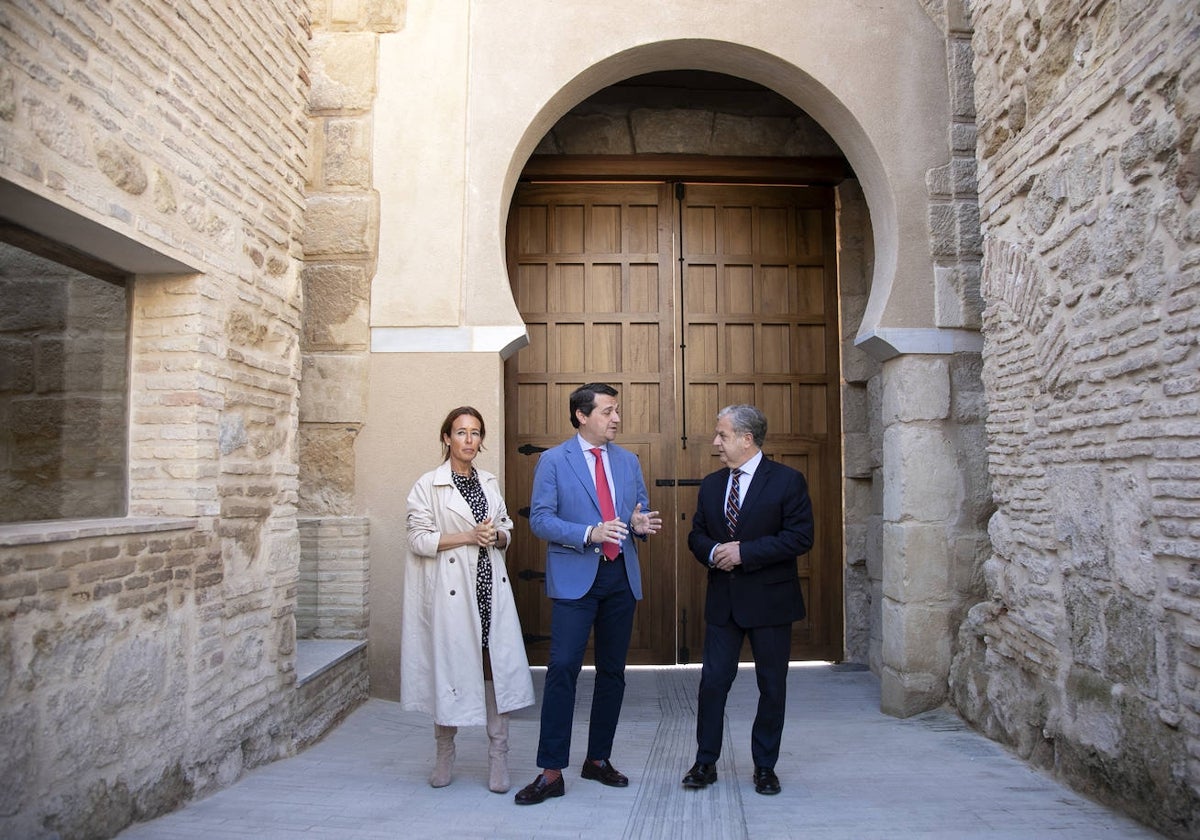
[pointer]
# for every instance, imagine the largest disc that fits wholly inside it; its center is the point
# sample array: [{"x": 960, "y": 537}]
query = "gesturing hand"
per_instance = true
[{"x": 645, "y": 523}]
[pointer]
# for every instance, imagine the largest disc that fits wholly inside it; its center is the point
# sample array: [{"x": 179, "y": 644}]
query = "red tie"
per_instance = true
[{"x": 606, "y": 506}]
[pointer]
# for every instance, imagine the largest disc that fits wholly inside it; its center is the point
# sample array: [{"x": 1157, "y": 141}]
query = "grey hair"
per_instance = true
[{"x": 746, "y": 419}]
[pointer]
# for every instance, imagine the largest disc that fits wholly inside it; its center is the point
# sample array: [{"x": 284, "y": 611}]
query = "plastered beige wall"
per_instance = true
[
  {"x": 411, "y": 394},
  {"x": 465, "y": 93}
]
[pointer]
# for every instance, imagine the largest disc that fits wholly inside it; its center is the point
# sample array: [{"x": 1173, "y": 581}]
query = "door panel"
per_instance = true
[
  {"x": 743, "y": 319},
  {"x": 593, "y": 281}
]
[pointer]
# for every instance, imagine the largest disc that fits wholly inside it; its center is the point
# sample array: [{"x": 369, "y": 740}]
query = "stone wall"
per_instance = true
[
  {"x": 862, "y": 439},
  {"x": 105, "y": 639},
  {"x": 1086, "y": 653},
  {"x": 150, "y": 658},
  {"x": 341, "y": 247}
]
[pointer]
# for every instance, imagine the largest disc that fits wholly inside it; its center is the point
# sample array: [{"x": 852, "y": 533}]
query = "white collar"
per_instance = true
[
  {"x": 750, "y": 466},
  {"x": 587, "y": 447}
]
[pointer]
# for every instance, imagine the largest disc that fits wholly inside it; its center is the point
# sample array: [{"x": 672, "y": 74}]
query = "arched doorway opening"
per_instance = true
[{"x": 700, "y": 273}]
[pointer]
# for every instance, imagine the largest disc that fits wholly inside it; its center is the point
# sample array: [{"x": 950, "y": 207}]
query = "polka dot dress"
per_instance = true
[{"x": 471, "y": 490}]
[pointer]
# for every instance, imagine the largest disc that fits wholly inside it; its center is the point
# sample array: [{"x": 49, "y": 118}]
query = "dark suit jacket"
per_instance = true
[{"x": 774, "y": 527}]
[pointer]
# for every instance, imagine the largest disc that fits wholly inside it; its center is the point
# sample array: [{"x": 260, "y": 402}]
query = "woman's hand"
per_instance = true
[{"x": 485, "y": 534}]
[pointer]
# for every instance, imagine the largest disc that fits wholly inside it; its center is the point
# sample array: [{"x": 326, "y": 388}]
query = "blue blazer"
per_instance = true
[
  {"x": 775, "y": 525},
  {"x": 564, "y": 506}
]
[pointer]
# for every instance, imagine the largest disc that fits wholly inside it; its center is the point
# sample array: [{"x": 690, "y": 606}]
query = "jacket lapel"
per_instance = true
[
  {"x": 455, "y": 503},
  {"x": 615, "y": 477},
  {"x": 761, "y": 476},
  {"x": 579, "y": 466}
]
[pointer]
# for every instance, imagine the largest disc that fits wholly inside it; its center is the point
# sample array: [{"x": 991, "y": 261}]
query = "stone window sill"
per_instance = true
[
  {"x": 316, "y": 656},
  {"x": 65, "y": 530}
]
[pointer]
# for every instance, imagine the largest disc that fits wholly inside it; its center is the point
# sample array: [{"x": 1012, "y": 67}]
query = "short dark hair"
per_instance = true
[
  {"x": 746, "y": 419},
  {"x": 583, "y": 399},
  {"x": 448, "y": 424}
]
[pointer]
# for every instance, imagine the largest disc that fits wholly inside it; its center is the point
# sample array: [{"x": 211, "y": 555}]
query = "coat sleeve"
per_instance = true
[
  {"x": 636, "y": 485},
  {"x": 545, "y": 518},
  {"x": 423, "y": 532},
  {"x": 499, "y": 511},
  {"x": 699, "y": 540}
]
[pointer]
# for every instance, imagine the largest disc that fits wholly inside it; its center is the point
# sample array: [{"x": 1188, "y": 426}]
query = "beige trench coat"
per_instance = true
[{"x": 441, "y": 658}]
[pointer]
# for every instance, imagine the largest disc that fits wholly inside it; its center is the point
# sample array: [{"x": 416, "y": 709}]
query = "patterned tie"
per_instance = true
[
  {"x": 606, "y": 506},
  {"x": 733, "y": 505}
]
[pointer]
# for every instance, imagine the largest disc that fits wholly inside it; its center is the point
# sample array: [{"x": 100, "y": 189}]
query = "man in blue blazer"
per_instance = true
[
  {"x": 588, "y": 497},
  {"x": 752, "y": 520}
]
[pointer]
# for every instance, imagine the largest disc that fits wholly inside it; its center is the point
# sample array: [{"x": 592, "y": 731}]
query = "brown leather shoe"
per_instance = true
[
  {"x": 539, "y": 790},
  {"x": 603, "y": 772},
  {"x": 700, "y": 776}
]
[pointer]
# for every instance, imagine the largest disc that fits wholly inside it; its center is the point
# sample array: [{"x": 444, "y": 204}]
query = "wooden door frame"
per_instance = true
[
  {"x": 765, "y": 171},
  {"x": 714, "y": 169}
]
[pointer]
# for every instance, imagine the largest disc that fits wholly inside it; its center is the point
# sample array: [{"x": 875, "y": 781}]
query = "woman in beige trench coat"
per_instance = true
[{"x": 462, "y": 655}]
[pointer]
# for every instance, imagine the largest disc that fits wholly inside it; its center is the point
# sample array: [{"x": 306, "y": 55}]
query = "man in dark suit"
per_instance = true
[
  {"x": 752, "y": 520},
  {"x": 588, "y": 496}
]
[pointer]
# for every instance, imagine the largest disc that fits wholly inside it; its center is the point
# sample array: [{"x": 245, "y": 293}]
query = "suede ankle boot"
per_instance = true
[
  {"x": 444, "y": 736},
  {"x": 497, "y": 730}
]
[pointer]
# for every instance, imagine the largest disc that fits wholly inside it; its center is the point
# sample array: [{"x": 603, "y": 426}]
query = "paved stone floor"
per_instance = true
[{"x": 848, "y": 773}]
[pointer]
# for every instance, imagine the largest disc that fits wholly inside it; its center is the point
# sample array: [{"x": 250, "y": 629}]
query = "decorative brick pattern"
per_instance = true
[
  {"x": 1086, "y": 654},
  {"x": 141, "y": 666}
]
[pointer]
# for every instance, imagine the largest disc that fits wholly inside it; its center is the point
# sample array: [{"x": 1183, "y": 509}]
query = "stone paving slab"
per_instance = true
[{"x": 848, "y": 773}]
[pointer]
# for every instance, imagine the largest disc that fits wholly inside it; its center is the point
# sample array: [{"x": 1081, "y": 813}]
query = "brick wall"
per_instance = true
[
  {"x": 98, "y": 654},
  {"x": 139, "y": 666},
  {"x": 1086, "y": 655}
]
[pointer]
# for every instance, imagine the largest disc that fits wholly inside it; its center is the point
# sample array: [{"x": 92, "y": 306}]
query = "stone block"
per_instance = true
[
  {"x": 857, "y": 455},
  {"x": 673, "y": 131},
  {"x": 342, "y": 71},
  {"x": 916, "y": 388},
  {"x": 334, "y": 388},
  {"x": 943, "y": 229},
  {"x": 336, "y": 306},
  {"x": 345, "y": 152},
  {"x": 857, "y": 364},
  {"x": 736, "y": 134},
  {"x": 916, "y": 641},
  {"x": 340, "y": 225},
  {"x": 917, "y": 565},
  {"x": 904, "y": 694},
  {"x": 860, "y": 500},
  {"x": 921, "y": 475},
  {"x": 875, "y": 561},
  {"x": 326, "y": 468},
  {"x": 962, "y": 79},
  {"x": 594, "y": 134}
]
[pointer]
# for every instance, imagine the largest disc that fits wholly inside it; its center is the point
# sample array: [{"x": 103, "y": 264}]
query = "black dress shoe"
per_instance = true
[
  {"x": 603, "y": 772},
  {"x": 701, "y": 775},
  {"x": 539, "y": 790},
  {"x": 765, "y": 781}
]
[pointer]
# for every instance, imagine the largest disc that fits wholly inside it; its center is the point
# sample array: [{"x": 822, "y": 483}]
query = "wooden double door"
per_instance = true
[{"x": 686, "y": 298}]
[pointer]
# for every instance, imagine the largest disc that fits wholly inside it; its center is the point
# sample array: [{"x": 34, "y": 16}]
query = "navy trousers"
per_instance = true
[
  {"x": 772, "y": 648},
  {"x": 608, "y": 609}
]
